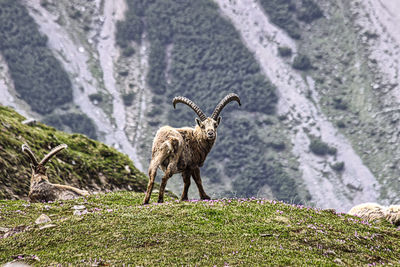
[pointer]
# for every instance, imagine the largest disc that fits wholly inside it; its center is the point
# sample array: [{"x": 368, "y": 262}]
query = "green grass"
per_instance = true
[{"x": 117, "y": 229}]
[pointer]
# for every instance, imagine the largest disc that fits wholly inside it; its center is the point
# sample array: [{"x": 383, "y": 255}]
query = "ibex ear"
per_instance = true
[
  {"x": 198, "y": 122},
  {"x": 219, "y": 120}
]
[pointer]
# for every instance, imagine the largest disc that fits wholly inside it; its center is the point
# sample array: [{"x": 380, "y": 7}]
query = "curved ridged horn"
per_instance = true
[
  {"x": 28, "y": 151},
  {"x": 184, "y": 100},
  {"x": 52, "y": 153},
  {"x": 229, "y": 98}
]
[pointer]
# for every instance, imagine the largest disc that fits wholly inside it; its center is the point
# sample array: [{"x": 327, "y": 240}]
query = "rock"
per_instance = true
[
  {"x": 127, "y": 169},
  {"x": 79, "y": 213},
  {"x": 4, "y": 229},
  {"x": 47, "y": 226},
  {"x": 330, "y": 252},
  {"x": 43, "y": 219},
  {"x": 78, "y": 207},
  {"x": 338, "y": 261},
  {"x": 16, "y": 264},
  {"x": 29, "y": 122}
]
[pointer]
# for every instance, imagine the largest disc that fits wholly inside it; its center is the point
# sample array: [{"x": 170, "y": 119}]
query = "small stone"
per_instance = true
[
  {"x": 80, "y": 212},
  {"x": 4, "y": 229},
  {"x": 16, "y": 264},
  {"x": 338, "y": 261},
  {"x": 78, "y": 207},
  {"x": 127, "y": 169},
  {"x": 29, "y": 122},
  {"x": 330, "y": 252},
  {"x": 43, "y": 219},
  {"x": 47, "y": 226}
]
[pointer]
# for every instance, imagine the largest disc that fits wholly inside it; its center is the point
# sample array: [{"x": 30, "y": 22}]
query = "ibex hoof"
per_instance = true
[{"x": 205, "y": 197}]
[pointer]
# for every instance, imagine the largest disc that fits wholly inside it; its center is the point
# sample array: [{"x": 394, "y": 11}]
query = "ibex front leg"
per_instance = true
[
  {"x": 197, "y": 179},
  {"x": 186, "y": 182}
]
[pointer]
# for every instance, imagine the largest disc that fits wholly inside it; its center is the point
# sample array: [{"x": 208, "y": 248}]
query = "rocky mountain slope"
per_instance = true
[{"x": 320, "y": 124}]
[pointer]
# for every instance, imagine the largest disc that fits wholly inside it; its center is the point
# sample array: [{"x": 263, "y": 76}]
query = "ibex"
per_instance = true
[
  {"x": 184, "y": 150},
  {"x": 374, "y": 211},
  {"x": 41, "y": 189}
]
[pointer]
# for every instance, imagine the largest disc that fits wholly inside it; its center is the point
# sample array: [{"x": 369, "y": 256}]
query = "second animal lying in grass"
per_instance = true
[
  {"x": 184, "y": 150},
  {"x": 374, "y": 211},
  {"x": 41, "y": 189}
]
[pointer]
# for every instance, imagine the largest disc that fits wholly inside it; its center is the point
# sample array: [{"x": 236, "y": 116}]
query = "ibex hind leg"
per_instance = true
[
  {"x": 163, "y": 184},
  {"x": 155, "y": 162},
  {"x": 152, "y": 175}
]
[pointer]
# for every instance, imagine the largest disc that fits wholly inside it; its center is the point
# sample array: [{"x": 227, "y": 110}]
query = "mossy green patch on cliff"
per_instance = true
[
  {"x": 85, "y": 163},
  {"x": 114, "y": 229}
]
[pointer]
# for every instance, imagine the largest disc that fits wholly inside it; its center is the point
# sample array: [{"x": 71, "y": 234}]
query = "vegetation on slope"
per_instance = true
[
  {"x": 353, "y": 93},
  {"x": 287, "y": 13},
  {"x": 38, "y": 77},
  {"x": 114, "y": 229},
  {"x": 204, "y": 59},
  {"x": 85, "y": 163}
]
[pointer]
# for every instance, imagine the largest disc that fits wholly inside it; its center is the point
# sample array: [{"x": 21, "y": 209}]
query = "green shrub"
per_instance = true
[
  {"x": 128, "y": 51},
  {"x": 341, "y": 124},
  {"x": 301, "y": 62},
  {"x": 320, "y": 148},
  {"x": 338, "y": 166},
  {"x": 281, "y": 13},
  {"x": 128, "y": 98},
  {"x": 339, "y": 103},
  {"x": 284, "y": 51},
  {"x": 309, "y": 11},
  {"x": 96, "y": 97},
  {"x": 130, "y": 29},
  {"x": 284, "y": 13},
  {"x": 278, "y": 145}
]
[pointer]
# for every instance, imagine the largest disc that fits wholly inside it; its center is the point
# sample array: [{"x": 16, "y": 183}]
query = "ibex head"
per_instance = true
[
  {"x": 208, "y": 125},
  {"x": 39, "y": 167}
]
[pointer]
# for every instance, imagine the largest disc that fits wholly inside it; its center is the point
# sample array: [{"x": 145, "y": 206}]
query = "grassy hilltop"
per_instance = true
[
  {"x": 114, "y": 228},
  {"x": 85, "y": 163}
]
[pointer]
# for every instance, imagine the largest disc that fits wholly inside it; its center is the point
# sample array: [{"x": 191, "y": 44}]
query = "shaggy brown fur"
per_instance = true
[
  {"x": 41, "y": 189},
  {"x": 373, "y": 211},
  {"x": 184, "y": 150}
]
